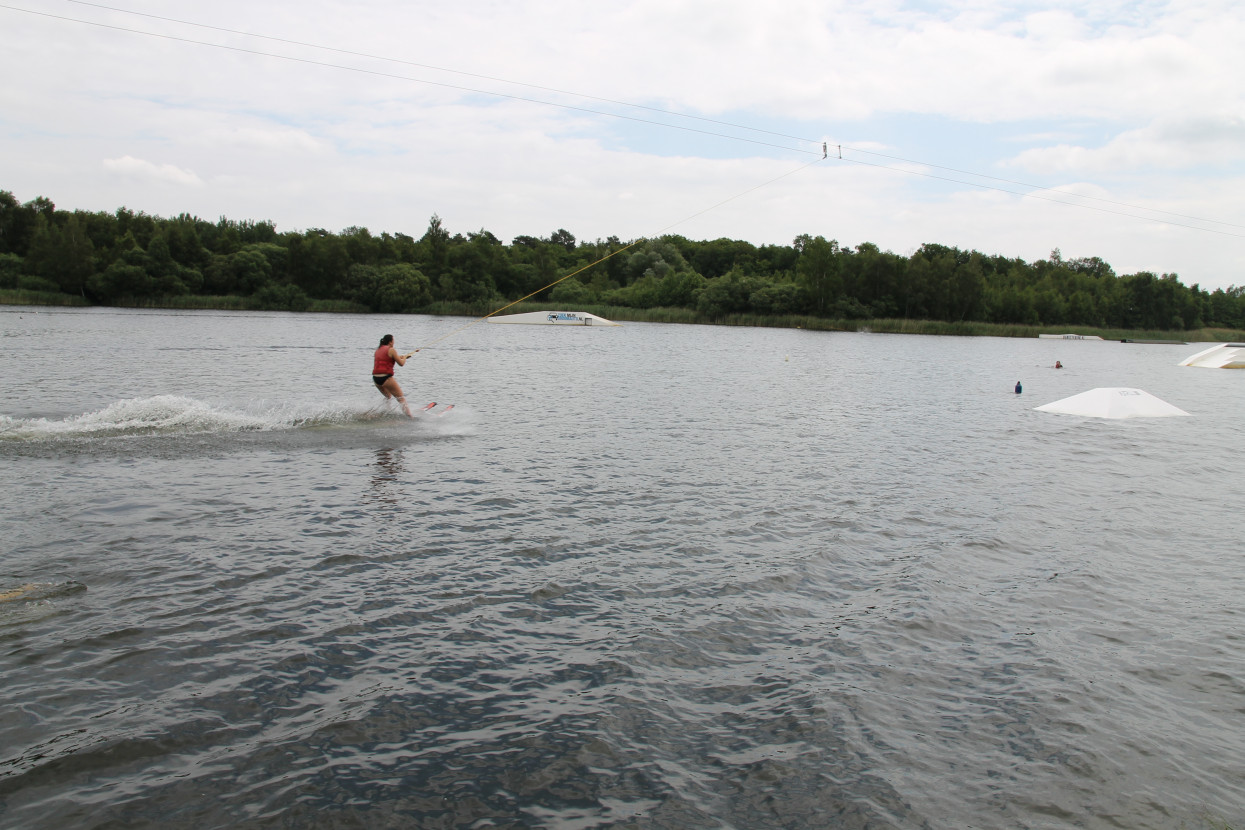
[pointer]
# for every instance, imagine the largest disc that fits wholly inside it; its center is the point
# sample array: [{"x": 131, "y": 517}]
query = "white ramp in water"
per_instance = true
[
  {"x": 554, "y": 318},
  {"x": 1222, "y": 356},
  {"x": 1113, "y": 402}
]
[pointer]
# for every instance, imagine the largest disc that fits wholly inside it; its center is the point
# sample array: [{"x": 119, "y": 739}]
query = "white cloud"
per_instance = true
[
  {"x": 270, "y": 140},
  {"x": 139, "y": 168},
  {"x": 1054, "y": 25},
  {"x": 1167, "y": 144}
]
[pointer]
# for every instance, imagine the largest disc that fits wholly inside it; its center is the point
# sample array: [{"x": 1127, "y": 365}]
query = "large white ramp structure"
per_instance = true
[
  {"x": 1221, "y": 356},
  {"x": 1113, "y": 402},
  {"x": 554, "y": 318}
]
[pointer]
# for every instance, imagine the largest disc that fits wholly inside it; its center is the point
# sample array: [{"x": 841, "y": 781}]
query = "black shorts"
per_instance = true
[{"x": 379, "y": 380}]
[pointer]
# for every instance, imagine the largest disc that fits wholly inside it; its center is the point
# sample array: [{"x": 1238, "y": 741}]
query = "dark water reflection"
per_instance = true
[{"x": 658, "y": 576}]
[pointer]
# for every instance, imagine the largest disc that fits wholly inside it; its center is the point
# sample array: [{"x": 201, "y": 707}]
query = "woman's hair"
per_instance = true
[{"x": 386, "y": 340}]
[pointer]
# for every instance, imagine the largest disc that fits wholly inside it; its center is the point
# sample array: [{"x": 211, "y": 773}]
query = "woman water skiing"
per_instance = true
[{"x": 382, "y": 371}]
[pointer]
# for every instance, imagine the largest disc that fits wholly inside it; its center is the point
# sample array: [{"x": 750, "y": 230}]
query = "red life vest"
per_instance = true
[{"x": 383, "y": 362}]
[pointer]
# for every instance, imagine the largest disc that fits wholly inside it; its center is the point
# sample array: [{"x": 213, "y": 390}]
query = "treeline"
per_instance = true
[{"x": 126, "y": 257}]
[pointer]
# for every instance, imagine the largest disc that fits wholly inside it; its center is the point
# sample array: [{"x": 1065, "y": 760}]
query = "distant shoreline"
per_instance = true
[{"x": 17, "y": 297}]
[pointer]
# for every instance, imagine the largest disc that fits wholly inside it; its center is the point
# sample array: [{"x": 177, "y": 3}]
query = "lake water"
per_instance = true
[{"x": 656, "y": 576}]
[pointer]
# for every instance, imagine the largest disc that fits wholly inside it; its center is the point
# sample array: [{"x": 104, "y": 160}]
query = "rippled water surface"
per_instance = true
[{"x": 655, "y": 576}]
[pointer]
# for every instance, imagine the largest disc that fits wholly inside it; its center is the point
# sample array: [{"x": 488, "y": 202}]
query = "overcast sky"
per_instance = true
[{"x": 962, "y": 123}]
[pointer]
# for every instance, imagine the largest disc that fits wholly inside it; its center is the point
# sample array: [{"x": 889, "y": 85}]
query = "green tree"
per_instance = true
[
  {"x": 400, "y": 288},
  {"x": 941, "y": 272},
  {"x": 127, "y": 277},
  {"x": 273, "y": 297},
  {"x": 532, "y": 264},
  {"x": 642, "y": 293},
  {"x": 1144, "y": 306},
  {"x": 571, "y": 292},
  {"x": 361, "y": 246},
  {"x": 319, "y": 264},
  {"x": 1010, "y": 304},
  {"x": 713, "y": 259},
  {"x": 1092, "y": 267},
  {"x": 563, "y": 238},
  {"x": 185, "y": 246},
  {"x": 817, "y": 270},
  {"x": 730, "y": 293},
  {"x": 1227, "y": 307},
  {"x": 657, "y": 258},
  {"x": 61, "y": 252},
  {"x": 166, "y": 274},
  {"x": 1080, "y": 309},
  {"x": 471, "y": 267},
  {"x": 436, "y": 242},
  {"x": 139, "y": 225},
  {"x": 681, "y": 289},
  {"x": 12, "y": 268},
  {"x": 17, "y": 224},
  {"x": 779, "y": 298},
  {"x": 966, "y": 290},
  {"x": 870, "y": 276},
  {"x": 658, "y": 276},
  {"x": 774, "y": 259},
  {"x": 1049, "y": 306},
  {"x": 243, "y": 272},
  {"x": 398, "y": 247},
  {"x": 915, "y": 287}
]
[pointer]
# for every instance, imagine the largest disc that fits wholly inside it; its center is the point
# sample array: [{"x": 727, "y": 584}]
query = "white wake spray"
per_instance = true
[{"x": 175, "y": 415}]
